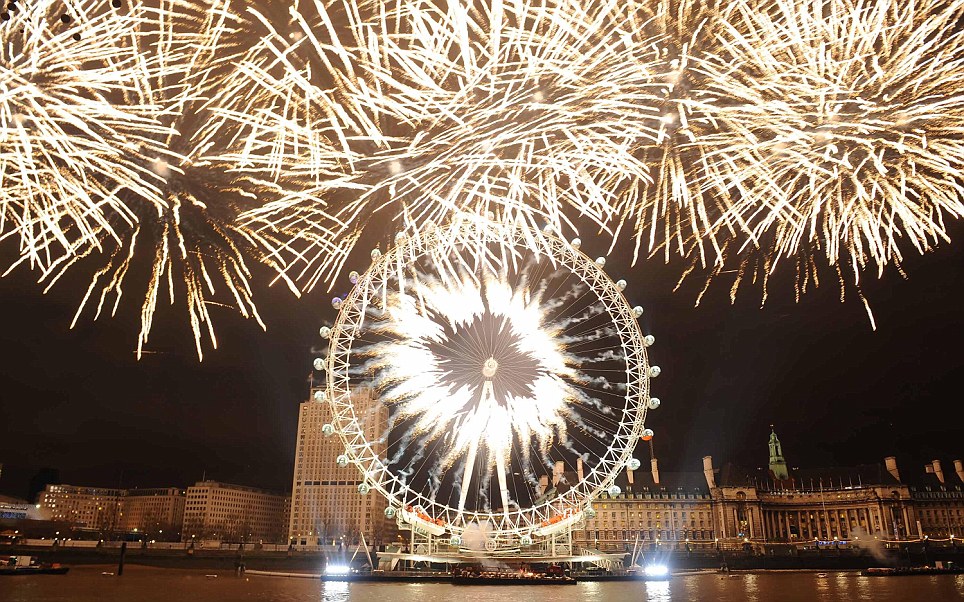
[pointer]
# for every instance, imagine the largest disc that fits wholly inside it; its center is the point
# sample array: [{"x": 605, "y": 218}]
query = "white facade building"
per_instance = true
[
  {"x": 85, "y": 507},
  {"x": 326, "y": 506},
  {"x": 157, "y": 513},
  {"x": 236, "y": 513}
]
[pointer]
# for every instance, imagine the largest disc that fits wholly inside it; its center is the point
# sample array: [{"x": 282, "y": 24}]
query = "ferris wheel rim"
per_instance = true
[{"x": 521, "y": 520}]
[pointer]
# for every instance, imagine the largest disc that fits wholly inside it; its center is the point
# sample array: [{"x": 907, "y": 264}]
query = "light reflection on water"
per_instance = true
[
  {"x": 336, "y": 591},
  {"x": 658, "y": 591},
  {"x": 86, "y": 584},
  {"x": 751, "y": 587}
]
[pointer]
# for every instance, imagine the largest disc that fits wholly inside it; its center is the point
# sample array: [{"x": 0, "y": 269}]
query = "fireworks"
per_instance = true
[
  {"x": 528, "y": 113},
  {"x": 846, "y": 119},
  {"x": 741, "y": 131},
  {"x": 690, "y": 177},
  {"x": 178, "y": 233},
  {"x": 63, "y": 150},
  {"x": 439, "y": 371},
  {"x": 209, "y": 137}
]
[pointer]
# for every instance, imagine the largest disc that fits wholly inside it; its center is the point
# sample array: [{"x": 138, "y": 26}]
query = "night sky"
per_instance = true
[{"x": 837, "y": 391}]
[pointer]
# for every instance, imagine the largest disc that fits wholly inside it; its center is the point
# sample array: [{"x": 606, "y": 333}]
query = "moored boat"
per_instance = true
[
  {"x": 471, "y": 577},
  {"x": 28, "y": 565},
  {"x": 939, "y": 569}
]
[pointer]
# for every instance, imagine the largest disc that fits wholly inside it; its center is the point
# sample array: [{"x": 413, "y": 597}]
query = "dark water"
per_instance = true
[{"x": 141, "y": 584}]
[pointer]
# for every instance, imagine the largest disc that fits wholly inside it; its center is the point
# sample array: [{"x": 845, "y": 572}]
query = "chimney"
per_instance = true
[
  {"x": 938, "y": 471},
  {"x": 629, "y": 475},
  {"x": 557, "y": 472},
  {"x": 708, "y": 472},
  {"x": 891, "y": 463},
  {"x": 929, "y": 468},
  {"x": 655, "y": 471},
  {"x": 579, "y": 467},
  {"x": 543, "y": 485},
  {"x": 959, "y": 469}
]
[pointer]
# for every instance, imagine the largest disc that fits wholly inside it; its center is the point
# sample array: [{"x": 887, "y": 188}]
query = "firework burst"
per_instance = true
[
  {"x": 205, "y": 138},
  {"x": 64, "y": 152},
  {"x": 182, "y": 237},
  {"x": 455, "y": 386},
  {"x": 848, "y": 117},
  {"x": 677, "y": 209},
  {"x": 527, "y": 112}
]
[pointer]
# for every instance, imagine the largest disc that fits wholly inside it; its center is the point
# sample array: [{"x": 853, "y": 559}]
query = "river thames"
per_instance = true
[{"x": 143, "y": 584}]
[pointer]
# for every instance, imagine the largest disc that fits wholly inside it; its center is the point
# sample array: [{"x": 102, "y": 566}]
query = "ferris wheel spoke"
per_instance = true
[
  {"x": 467, "y": 474},
  {"x": 503, "y": 485}
]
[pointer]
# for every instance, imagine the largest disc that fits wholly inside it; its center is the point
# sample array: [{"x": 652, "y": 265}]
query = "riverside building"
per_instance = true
[
  {"x": 157, "y": 513},
  {"x": 12, "y": 508},
  {"x": 938, "y": 502},
  {"x": 92, "y": 508},
  {"x": 737, "y": 507},
  {"x": 235, "y": 513},
  {"x": 652, "y": 509},
  {"x": 326, "y": 506}
]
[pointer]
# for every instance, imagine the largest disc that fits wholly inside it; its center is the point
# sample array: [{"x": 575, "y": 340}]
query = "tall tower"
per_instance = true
[
  {"x": 326, "y": 506},
  {"x": 778, "y": 466}
]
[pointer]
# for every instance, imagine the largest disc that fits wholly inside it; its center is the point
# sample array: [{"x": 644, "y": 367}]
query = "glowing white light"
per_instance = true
[
  {"x": 337, "y": 570},
  {"x": 656, "y": 570},
  {"x": 419, "y": 390}
]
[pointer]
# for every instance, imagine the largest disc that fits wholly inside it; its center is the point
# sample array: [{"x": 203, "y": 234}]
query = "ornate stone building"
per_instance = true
[
  {"x": 652, "y": 509},
  {"x": 938, "y": 502},
  {"x": 732, "y": 506},
  {"x": 821, "y": 505}
]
